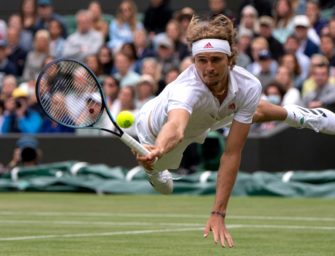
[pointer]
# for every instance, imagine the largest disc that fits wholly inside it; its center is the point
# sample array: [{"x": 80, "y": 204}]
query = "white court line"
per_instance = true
[
  {"x": 163, "y": 215},
  {"x": 104, "y": 223},
  {"x": 137, "y": 232}
]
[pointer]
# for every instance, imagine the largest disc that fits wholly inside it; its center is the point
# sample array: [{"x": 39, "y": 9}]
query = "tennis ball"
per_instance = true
[{"x": 125, "y": 119}]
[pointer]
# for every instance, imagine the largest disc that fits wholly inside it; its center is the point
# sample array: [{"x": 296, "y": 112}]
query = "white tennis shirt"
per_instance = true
[{"x": 190, "y": 93}]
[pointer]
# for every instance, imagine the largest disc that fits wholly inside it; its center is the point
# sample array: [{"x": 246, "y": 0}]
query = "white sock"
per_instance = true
[{"x": 292, "y": 118}]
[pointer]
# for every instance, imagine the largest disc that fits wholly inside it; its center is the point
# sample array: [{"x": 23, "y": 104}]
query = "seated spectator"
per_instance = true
[
  {"x": 165, "y": 54},
  {"x": 105, "y": 59},
  {"x": 92, "y": 62},
  {"x": 249, "y": 20},
  {"x": 274, "y": 93},
  {"x": 123, "y": 26},
  {"x": 185, "y": 63},
  {"x": 314, "y": 15},
  {"x": 290, "y": 61},
  {"x": 174, "y": 33},
  {"x": 301, "y": 27},
  {"x": 324, "y": 93},
  {"x": 184, "y": 17},
  {"x": 243, "y": 46},
  {"x": 99, "y": 24},
  {"x": 146, "y": 89},
  {"x": 26, "y": 36},
  {"x": 28, "y": 17},
  {"x": 266, "y": 25},
  {"x": 9, "y": 84},
  {"x": 111, "y": 87},
  {"x": 220, "y": 7},
  {"x": 36, "y": 57},
  {"x": 327, "y": 46},
  {"x": 283, "y": 14},
  {"x": 309, "y": 85},
  {"x": 85, "y": 41},
  {"x": 170, "y": 76},
  {"x": 6, "y": 66},
  {"x": 46, "y": 13},
  {"x": 156, "y": 16},
  {"x": 142, "y": 44},
  {"x": 266, "y": 74},
  {"x": 150, "y": 66},
  {"x": 15, "y": 53},
  {"x": 18, "y": 117},
  {"x": 130, "y": 50},
  {"x": 124, "y": 74},
  {"x": 292, "y": 94},
  {"x": 57, "y": 41}
]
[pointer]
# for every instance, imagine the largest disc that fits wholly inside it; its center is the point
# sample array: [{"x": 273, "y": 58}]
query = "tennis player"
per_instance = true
[{"x": 210, "y": 94}]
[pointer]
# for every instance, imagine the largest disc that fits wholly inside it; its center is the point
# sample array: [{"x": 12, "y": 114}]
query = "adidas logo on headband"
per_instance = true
[{"x": 208, "y": 45}]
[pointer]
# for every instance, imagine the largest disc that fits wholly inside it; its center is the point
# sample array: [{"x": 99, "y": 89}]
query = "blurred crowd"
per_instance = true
[{"x": 287, "y": 44}]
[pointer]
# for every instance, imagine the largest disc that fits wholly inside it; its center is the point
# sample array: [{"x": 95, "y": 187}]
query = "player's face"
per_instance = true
[{"x": 212, "y": 68}]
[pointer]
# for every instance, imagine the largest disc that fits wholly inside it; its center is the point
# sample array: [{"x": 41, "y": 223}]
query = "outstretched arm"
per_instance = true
[
  {"x": 169, "y": 136},
  {"x": 229, "y": 164}
]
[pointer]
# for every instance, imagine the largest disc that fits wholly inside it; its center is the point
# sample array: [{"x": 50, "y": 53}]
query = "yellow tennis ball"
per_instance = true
[{"x": 125, "y": 119}]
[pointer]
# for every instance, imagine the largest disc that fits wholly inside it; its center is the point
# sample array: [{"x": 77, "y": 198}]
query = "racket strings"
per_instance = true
[{"x": 70, "y": 95}]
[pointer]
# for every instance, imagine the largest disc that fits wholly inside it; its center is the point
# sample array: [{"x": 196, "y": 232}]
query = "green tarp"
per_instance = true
[{"x": 84, "y": 177}]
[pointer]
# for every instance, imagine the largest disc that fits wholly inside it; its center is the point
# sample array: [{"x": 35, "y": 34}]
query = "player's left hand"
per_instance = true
[{"x": 216, "y": 224}]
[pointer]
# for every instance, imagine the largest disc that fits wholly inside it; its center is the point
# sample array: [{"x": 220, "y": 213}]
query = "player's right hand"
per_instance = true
[{"x": 149, "y": 160}]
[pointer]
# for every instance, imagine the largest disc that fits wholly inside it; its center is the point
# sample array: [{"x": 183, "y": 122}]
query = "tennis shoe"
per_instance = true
[
  {"x": 162, "y": 181},
  {"x": 317, "y": 119}
]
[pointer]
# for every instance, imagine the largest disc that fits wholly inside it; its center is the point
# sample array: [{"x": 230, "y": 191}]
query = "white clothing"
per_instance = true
[
  {"x": 190, "y": 93},
  {"x": 292, "y": 97}
]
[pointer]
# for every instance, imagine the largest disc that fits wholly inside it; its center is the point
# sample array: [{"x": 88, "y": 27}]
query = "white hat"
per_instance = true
[{"x": 302, "y": 21}]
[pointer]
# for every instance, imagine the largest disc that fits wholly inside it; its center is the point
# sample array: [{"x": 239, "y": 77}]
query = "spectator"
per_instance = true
[
  {"x": 57, "y": 41},
  {"x": 15, "y": 53},
  {"x": 45, "y": 13},
  {"x": 331, "y": 27},
  {"x": 291, "y": 62},
  {"x": 19, "y": 118},
  {"x": 156, "y": 16},
  {"x": 243, "y": 45},
  {"x": 99, "y": 24},
  {"x": 263, "y": 7},
  {"x": 129, "y": 49},
  {"x": 6, "y": 66},
  {"x": 26, "y": 36},
  {"x": 314, "y": 16},
  {"x": 123, "y": 26},
  {"x": 220, "y": 7},
  {"x": 301, "y": 26},
  {"x": 249, "y": 20},
  {"x": 327, "y": 47},
  {"x": 266, "y": 24},
  {"x": 184, "y": 17},
  {"x": 36, "y": 57},
  {"x": 174, "y": 33},
  {"x": 26, "y": 153},
  {"x": 291, "y": 46},
  {"x": 151, "y": 67},
  {"x": 283, "y": 16},
  {"x": 324, "y": 93},
  {"x": 142, "y": 44},
  {"x": 92, "y": 62},
  {"x": 85, "y": 41},
  {"x": 164, "y": 54},
  {"x": 170, "y": 76},
  {"x": 3, "y": 29},
  {"x": 111, "y": 88},
  {"x": 274, "y": 92},
  {"x": 292, "y": 94},
  {"x": 266, "y": 74},
  {"x": 124, "y": 74},
  {"x": 146, "y": 89},
  {"x": 185, "y": 63},
  {"x": 8, "y": 86},
  {"x": 105, "y": 59},
  {"x": 28, "y": 13}
]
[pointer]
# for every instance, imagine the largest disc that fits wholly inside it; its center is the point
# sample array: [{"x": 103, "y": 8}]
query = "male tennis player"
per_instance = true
[{"x": 211, "y": 93}]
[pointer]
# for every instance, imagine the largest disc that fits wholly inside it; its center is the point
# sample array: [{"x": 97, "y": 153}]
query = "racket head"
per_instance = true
[{"x": 70, "y": 94}]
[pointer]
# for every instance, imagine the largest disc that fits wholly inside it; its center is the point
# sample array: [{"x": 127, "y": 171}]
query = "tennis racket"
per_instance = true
[{"x": 70, "y": 94}]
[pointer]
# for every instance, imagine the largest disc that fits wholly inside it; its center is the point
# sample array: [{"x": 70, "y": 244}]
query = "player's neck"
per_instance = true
[{"x": 221, "y": 94}]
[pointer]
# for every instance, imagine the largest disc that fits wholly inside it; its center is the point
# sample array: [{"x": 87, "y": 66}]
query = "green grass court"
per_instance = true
[{"x": 50, "y": 224}]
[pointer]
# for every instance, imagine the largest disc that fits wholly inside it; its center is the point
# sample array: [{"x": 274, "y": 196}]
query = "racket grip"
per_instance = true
[{"x": 134, "y": 144}]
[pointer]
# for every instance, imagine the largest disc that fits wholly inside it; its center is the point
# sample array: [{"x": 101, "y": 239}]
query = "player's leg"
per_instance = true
[{"x": 318, "y": 119}]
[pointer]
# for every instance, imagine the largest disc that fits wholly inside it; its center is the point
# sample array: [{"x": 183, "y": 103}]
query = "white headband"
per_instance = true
[{"x": 211, "y": 45}]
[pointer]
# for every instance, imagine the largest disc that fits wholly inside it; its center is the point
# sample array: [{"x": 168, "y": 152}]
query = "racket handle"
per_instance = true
[{"x": 134, "y": 144}]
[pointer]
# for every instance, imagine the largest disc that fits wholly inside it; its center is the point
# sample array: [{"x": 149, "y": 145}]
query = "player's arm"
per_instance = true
[
  {"x": 229, "y": 165},
  {"x": 171, "y": 134}
]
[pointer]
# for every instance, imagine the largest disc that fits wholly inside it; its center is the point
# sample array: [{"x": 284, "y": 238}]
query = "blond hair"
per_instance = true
[{"x": 218, "y": 27}]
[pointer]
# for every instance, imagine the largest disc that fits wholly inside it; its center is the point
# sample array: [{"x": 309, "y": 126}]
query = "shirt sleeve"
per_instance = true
[{"x": 249, "y": 104}]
